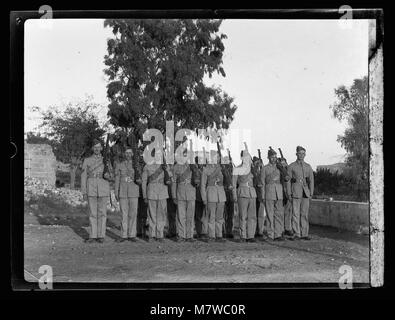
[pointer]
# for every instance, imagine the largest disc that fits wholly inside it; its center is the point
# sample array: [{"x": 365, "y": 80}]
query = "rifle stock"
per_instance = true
[
  {"x": 136, "y": 158},
  {"x": 165, "y": 167}
]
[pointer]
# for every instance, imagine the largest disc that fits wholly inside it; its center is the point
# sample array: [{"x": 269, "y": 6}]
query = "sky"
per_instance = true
[{"x": 281, "y": 74}]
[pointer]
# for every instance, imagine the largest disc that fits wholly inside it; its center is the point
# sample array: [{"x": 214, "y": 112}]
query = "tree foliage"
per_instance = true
[
  {"x": 37, "y": 138},
  {"x": 71, "y": 132},
  {"x": 156, "y": 69},
  {"x": 352, "y": 105}
]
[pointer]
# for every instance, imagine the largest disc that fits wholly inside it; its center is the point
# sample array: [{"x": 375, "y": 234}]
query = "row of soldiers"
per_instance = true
[{"x": 274, "y": 197}]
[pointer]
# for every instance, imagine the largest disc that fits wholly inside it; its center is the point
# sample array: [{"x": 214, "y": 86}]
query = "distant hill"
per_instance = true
[{"x": 339, "y": 167}]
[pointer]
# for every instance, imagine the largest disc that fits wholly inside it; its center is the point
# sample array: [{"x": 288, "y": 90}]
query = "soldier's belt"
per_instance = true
[
  {"x": 186, "y": 181},
  {"x": 95, "y": 175},
  {"x": 127, "y": 179},
  {"x": 216, "y": 183},
  {"x": 156, "y": 182},
  {"x": 273, "y": 182},
  {"x": 245, "y": 184},
  {"x": 293, "y": 180}
]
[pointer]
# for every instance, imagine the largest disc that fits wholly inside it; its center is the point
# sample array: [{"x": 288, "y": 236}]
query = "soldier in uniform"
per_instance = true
[
  {"x": 272, "y": 193},
  {"x": 287, "y": 204},
  {"x": 230, "y": 203},
  {"x": 260, "y": 205},
  {"x": 302, "y": 189},
  {"x": 245, "y": 195},
  {"x": 96, "y": 190},
  {"x": 184, "y": 196},
  {"x": 201, "y": 221},
  {"x": 155, "y": 194},
  {"x": 214, "y": 198},
  {"x": 127, "y": 193}
]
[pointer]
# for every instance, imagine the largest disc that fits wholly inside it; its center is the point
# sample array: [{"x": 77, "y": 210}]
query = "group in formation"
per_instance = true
[{"x": 212, "y": 201}]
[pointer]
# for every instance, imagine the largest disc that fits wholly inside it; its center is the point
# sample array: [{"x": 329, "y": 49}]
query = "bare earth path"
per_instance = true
[{"x": 56, "y": 240}]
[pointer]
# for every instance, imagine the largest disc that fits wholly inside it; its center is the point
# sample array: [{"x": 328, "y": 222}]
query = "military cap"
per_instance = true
[
  {"x": 271, "y": 152},
  {"x": 300, "y": 148},
  {"x": 96, "y": 142},
  {"x": 255, "y": 159}
]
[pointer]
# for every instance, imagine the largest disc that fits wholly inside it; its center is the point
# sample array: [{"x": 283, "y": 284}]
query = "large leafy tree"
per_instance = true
[
  {"x": 156, "y": 70},
  {"x": 71, "y": 130},
  {"x": 352, "y": 105}
]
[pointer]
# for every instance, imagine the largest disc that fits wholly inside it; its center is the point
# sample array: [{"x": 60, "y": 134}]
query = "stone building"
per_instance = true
[{"x": 40, "y": 162}]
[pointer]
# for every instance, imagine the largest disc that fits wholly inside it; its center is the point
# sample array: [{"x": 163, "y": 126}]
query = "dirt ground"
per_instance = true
[{"x": 54, "y": 236}]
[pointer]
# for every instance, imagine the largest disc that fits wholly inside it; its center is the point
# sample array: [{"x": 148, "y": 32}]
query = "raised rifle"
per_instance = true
[
  {"x": 230, "y": 158},
  {"x": 281, "y": 154},
  {"x": 167, "y": 178},
  {"x": 136, "y": 158},
  {"x": 225, "y": 170},
  {"x": 194, "y": 167},
  {"x": 107, "y": 172}
]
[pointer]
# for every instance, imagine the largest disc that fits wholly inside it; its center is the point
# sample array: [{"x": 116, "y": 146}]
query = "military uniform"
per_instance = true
[
  {"x": 201, "y": 219},
  {"x": 128, "y": 192},
  {"x": 156, "y": 192},
  {"x": 213, "y": 193},
  {"x": 287, "y": 204},
  {"x": 302, "y": 188},
  {"x": 260, "y": 205},
  {"x": 97, "y": 190},
  {"x": 185, "y": 193},
  {"x": 244, "y": 192},
  {"x": 272, "y": 193}
]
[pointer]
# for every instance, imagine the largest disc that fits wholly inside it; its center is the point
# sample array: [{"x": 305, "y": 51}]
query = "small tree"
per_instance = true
[
  {"x": 352, "y": 105},
  {"x": 72, "y": 132}
]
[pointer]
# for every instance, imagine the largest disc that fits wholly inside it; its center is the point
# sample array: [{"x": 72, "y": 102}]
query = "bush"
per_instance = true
[{"x": 340, "y": 186}]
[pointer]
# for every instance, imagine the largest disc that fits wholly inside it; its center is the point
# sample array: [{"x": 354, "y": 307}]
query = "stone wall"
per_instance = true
[
  {"x": 345, "y": 215},
  {"x": 40, "y": 162}
]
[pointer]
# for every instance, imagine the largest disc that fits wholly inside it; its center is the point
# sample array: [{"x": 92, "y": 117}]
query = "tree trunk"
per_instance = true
[{"x": 73, "y": 169}]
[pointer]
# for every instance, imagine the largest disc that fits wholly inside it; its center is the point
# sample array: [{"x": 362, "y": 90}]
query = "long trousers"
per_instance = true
[
  {"x": 229, "y": 214},
  {"x": 247, "y": 217},
  {"x": 185, "y": 218},
  {"x": 300, "y": 216},
  {"x": 215, "y": 211},
  {"x": 128, "y": 208},
  {"x": 287, "y": 215},
  {"x": 275, "y": 218},
  {"x": 157, "y": 210},
  {"x": 200, "y": 218},
  {"x": 261, "y": 214},
  {"x": 97, "y": 216}
]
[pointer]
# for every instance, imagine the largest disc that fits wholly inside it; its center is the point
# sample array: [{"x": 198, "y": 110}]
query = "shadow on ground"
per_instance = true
[{"x": 54, "y": 211}]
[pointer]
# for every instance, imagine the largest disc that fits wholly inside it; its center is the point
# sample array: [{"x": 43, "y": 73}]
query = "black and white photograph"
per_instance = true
[{"x": 203, "y": 150}]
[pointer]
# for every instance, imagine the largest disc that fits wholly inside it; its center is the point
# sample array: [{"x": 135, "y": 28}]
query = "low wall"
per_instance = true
[
  {"x": 40, "y": 162},
  {"x": 346, "y": 215}
]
